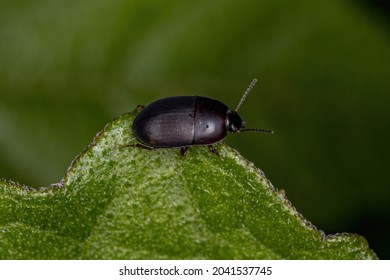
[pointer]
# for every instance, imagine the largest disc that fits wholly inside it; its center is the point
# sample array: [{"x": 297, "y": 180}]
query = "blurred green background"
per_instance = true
[{"x": 69, "y": 67}]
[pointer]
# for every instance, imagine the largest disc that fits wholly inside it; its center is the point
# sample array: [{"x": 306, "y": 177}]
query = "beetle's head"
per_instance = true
[{"x": 234, "y": 122}]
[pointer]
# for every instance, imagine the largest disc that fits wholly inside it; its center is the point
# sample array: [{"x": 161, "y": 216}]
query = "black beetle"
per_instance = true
[{"x": 185, "y": 121}]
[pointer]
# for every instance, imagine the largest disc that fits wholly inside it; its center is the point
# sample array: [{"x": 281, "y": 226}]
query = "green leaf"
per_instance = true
[{"x": 118, "y": 202}]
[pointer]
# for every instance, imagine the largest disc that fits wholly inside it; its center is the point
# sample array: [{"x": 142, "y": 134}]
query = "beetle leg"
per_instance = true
[
  {"x": 138, "y": 145},
  {"x": 183, "y": 151},
  {"x": 212, "y": 149}
]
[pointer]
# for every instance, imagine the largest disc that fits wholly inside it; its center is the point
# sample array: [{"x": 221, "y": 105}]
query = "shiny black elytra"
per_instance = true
[{"x": 185, "y": 121}]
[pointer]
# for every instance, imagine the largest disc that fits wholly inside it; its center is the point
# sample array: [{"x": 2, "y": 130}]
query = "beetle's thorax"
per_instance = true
[{"x": 234, "y": 122}]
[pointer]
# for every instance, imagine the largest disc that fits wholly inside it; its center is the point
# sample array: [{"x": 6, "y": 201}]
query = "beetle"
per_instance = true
[{"x": 186, "y": 121}]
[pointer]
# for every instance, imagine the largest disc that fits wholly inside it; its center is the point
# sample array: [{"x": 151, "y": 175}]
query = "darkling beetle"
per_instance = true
[{"x": 186, "y": 121}]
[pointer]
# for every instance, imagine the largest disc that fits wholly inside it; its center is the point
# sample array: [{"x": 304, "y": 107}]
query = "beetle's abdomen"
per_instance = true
[{"x": 167, "y": 122}]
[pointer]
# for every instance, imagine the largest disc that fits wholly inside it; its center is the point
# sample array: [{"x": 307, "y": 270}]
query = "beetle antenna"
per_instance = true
[
  {"x": 248, "y": 90},
  {"x": 257, "y": 130}
]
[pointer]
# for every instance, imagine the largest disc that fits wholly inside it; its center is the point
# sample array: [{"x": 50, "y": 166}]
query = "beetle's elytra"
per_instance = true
[{"x": 185, "y": 121}]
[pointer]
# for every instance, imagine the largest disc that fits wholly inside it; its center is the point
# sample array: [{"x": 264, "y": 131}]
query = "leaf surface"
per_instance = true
[{"x": 125, "y": 202}]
